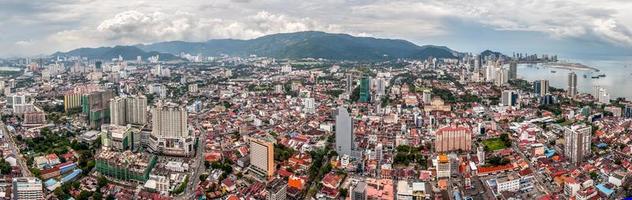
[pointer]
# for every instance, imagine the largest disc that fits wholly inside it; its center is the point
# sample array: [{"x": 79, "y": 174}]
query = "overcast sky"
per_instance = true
[{"x": 566, "y": 27}]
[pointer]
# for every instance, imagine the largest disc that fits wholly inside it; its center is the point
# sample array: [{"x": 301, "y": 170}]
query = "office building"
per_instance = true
[
  {"x": 128, "y": 110},
  {"x": 344, "y": 132},
  {"x": 577, "y": 143},
  {"x": 572, "y": 84},
  {"x": 262, "y": 157},
  {"x": 365, "y": 90},
  {"x": 277, "y": 190},
  {"x": 509, "y": 98},
  {"x": 170, "y": 133},
  {"x": 541, "y": 87},
  {"x": 359, "y": 191},
  {"x": 453, "y": 138},
  {"x": 27, "y": 188}
]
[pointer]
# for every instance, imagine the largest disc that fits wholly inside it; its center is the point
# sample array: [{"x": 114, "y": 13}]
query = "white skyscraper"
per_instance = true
[
  {"x": 344, "y": 132},
  {"x": 572, "y": 84},
  {"x": 170, "y": 134},
  {"x": 577, "y": 143}
]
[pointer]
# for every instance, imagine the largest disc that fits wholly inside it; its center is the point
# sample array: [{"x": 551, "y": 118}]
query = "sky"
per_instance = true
[{"x": 571, "y": 28}]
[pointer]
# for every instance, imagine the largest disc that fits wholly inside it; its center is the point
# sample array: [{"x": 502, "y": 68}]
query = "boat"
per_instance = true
[{"x": 553, "y": 71}]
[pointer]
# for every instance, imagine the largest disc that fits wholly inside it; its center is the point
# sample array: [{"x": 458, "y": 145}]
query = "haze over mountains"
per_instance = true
[{"x": 308, "y": 44}]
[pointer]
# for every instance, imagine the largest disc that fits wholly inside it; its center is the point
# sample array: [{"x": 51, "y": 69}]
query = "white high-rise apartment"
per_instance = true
[
  {"x": 128, "y": 110},
  {"x": 344, "y": 132},
  {"x": 572, "y": 84},
  {"x": 170, "y": 133},
  {"x": 577, "y": 143},
  {"x": 309, "y": 105},
  {"x": 27, "y": 188}
]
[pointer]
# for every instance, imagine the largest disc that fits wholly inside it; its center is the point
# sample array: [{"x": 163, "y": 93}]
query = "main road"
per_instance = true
[
  {"x": 16, "y": 151},
  {"x": 198, "y": 162}
]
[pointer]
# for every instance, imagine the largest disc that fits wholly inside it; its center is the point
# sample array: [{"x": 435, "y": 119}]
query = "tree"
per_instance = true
[
  {"x": 203, "y": 177},
  {"x": 593, "y": 175},
  {"x": 5, "y": 167},
  {"x": 102, "y": 181}
]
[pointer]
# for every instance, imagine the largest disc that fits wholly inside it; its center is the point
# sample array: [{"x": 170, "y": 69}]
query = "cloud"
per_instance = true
[
  {"x": 139, "y": 27},
  {"x": 63, "y": 24}
]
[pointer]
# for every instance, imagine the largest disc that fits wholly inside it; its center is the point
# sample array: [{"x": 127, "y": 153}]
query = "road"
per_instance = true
[
  {"x": 16, "y": 151},
  {"x": 198, "y": 162}
]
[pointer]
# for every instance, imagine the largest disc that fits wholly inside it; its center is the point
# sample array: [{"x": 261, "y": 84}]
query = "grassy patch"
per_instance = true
[{"x": 494, "y": 144}]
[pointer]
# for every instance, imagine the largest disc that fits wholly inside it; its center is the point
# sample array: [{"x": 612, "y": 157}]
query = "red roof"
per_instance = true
[{"x": 495, "y": 168}]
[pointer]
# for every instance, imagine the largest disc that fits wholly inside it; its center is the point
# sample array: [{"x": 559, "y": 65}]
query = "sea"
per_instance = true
[{"x": 617, "y": 71}]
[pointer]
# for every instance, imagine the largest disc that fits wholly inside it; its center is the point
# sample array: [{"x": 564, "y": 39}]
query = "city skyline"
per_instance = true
[{"x": 569, "y": 28}]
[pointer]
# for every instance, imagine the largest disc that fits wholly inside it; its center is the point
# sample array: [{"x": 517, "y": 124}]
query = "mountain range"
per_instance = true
[{"x": 308, "y": 44}]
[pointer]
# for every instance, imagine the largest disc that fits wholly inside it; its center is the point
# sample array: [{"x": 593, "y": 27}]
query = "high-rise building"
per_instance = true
[
  {"x": 262, "y": 157},
  {"x": 572, "y": 84},
  {"x": 344, "y": 132},
  {"x": 509, "y": 98},
  {"x": 170, "y": 133},
  {"x": 380, "y": 86},
  {"x": 541, "y": 87},
  {"x": 502, "y": 77},
  {"x": 277, "y": 190},
  {"x": 453, "y": 138},
  {"x": 359, "y": 191},
  {"x": 577, "y": 142},
  {"x": 309, "y": 105},
  {"x": 349, "y": 83},
  {"x": 193, "y": 88},
  {"x": 443, "y": 166},
  {"x": 128, "y": 110},
  {"x": 480, "y": 154},
  {"x": 365, "y": 90},
  {"x": 627, "y": 112},
  {"x": 27, "y": 188},
  {"x": 513, "y": 70},
  {"x": 97, "y": 106}
]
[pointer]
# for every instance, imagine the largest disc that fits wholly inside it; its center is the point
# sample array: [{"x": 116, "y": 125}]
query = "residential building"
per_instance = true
[
  {"x": 541, "y": 87},
  {"x": 128, "y": 110},
  {"x": 359, "y": 191},
  {"x": 577, "y": 143},
  {"x": 277, "y": 190},
  {"x": 27, "y": 188},
  {"x": 344, "y": 132},
  {"x": 453, "y": 138},
  {"x": 513, "y": 70},
  {"x": 572, "y": 84},
  {"x": 170, "y": 133}
]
